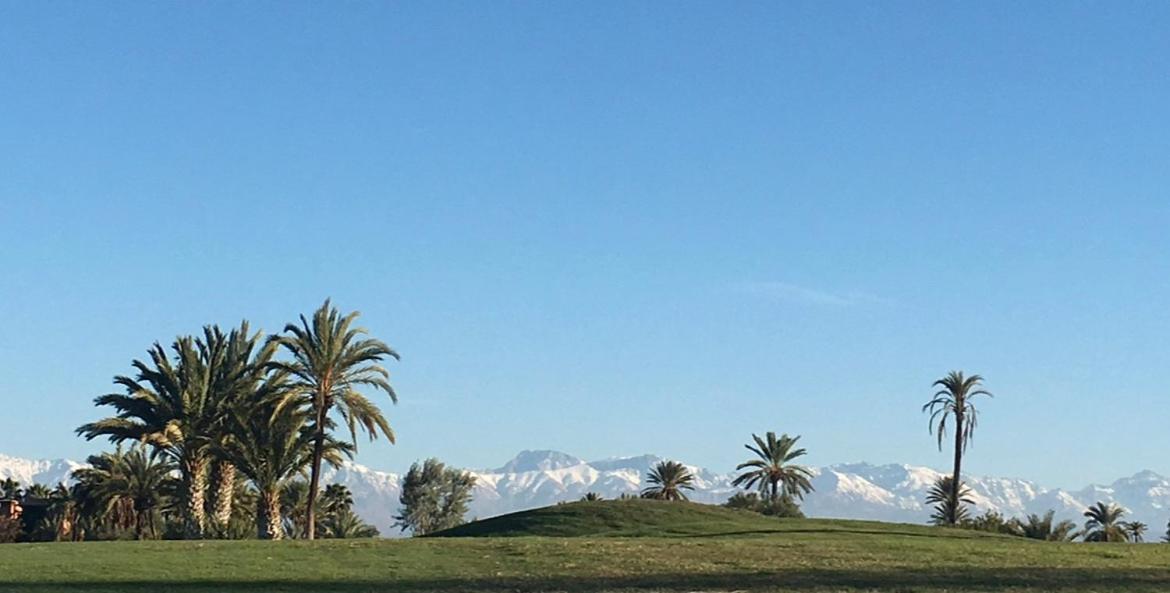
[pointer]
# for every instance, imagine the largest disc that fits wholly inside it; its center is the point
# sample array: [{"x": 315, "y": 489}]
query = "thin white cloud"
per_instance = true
[{"x": 792, "y": 293}]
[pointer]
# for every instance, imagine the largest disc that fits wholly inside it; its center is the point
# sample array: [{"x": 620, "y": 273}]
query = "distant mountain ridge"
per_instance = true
[
  {"x": 890, "y": 492},
  {"x": 40, "y": 471}
]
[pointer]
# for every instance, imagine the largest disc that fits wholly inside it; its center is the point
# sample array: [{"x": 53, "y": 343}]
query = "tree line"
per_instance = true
[
  {"x": 132, "y": 493},
  {"x": 229, "y": 431},
  {"x": 780, "y": 484},
  {"x": 231, "y": 421}
]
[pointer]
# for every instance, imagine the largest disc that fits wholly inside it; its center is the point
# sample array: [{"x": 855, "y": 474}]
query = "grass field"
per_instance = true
[{"x": 613, "y": 546}]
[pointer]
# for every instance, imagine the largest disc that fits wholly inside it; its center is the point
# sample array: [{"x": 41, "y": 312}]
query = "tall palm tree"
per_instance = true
[
  {"x": 1044, "y": 528},
  {"x": 239, "y": 372},
  {"x": 1104, "y": 523},
  {"x": 1135, "y": 530},
  {"x": 943, "y": 495},
  {"x": 170, "y": 405},
  {"x": 773, "y": 471},
  {"x": 331, "y": 359},
  {"x": 954, "y": 400},
  {"x": 240, "y": 383},
  {"x": 669, "y": 479},
  {"x": 270, "y": 445}
]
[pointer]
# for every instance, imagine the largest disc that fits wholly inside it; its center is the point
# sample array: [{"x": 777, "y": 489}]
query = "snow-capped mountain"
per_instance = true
[
  {"x": 849, "y": 491},
  {"x": 40, "y": 471},
  {"x": 889, "y": 492}
]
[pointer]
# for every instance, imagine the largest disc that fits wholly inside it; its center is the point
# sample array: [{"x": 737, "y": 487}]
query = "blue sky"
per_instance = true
[{"x": 610, "y": 228}]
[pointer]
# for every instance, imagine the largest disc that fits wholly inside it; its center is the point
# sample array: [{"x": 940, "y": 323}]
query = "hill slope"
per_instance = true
[{"x": 651, "y": 518}]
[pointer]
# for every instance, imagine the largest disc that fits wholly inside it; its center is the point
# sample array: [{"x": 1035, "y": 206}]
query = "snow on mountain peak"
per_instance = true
[
  {"x": 541, "y": 460},
  {"x": 640, "y": 463},
  {"x": 1143, "y": 477},
  {"x": 40, "y": 471}
]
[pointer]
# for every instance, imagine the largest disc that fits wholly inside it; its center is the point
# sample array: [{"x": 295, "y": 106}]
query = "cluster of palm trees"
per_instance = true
[
  {"x": 954, "y": 402},
  {"x": 771, "y": 472},
  {"x": 132, "y": 494},
  {"x": 1104, "y": 524},
  {"x": 214, "y": 408},
  {"x": 780, "y": 482}
]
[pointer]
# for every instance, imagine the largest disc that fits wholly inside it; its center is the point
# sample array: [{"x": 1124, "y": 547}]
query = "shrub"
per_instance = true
[
  {"x": 783, "y": 507},
  {"x": 9, "y": 530}
]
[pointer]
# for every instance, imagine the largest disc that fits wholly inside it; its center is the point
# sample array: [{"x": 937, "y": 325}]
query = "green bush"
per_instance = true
[{"x": 783, "y": 507}]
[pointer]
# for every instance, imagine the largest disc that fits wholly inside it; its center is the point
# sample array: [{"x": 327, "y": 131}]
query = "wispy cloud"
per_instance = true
[{"x": 784, "y": 291}]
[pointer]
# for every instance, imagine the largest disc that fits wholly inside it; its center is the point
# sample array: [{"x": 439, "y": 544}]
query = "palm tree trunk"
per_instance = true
[
  {"x": 225, "y": 485},
  {"x": 315, "y": 475},
  {"x": 65, "y": 527},
  {"x": 195, "y": 480},
  {"x": 775, "y": 490},
  {"x": 139, "y": 525},
  {"x": 956, "y": 485},
  {"x": 268, "y": 516}
]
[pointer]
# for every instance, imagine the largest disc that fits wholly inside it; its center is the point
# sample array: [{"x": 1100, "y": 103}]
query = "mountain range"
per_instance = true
[{"x": 890, "y": 492}]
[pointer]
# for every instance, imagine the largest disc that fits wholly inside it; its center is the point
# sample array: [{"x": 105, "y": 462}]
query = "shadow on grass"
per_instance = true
[
  {"x": 965, "y": 580},
  {"x": 880, "y": 532}
]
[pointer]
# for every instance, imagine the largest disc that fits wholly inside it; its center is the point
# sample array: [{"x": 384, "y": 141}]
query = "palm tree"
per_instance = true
[
  {"x": 669, "y": 479},
  {"x": 773, "y": 471},
  {"x": 124, "y": 489},
  {"x": 239, "y": 381},
  {"x": 270, "y": 445},
  {"x": 1135, "y": 530},
  {"x": 173, "y": 406},
  {"x": 294, "y": 507},
  {"x": 1043, "y": 528},
  {"x": 346, "y": 525},
  {"x": 953, "y": 400},
  {"x": 38, "y": 491},
  {"x": 336, "y": 498},
  {"x": 10, "y": 488},
  {"x": 60, "y": 516},
  {"x": 1104, "y": 523},
  {"x": 942, "y": 495},
  {"x": 591, "y": 497},
  {"x": 331, "y": 358}
]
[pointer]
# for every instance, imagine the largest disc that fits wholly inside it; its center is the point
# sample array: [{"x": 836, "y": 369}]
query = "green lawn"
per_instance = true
[{"x": 708, "y": 550}]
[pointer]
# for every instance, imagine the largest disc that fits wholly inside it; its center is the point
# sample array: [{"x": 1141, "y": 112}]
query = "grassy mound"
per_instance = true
[{"x": 652, "y": 518}]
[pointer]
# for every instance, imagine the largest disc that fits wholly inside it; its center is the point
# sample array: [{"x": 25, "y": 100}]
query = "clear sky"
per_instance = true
[{"x": 610, "y": 228}]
